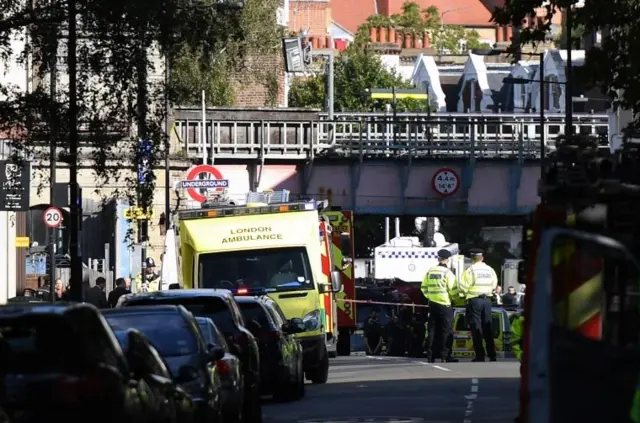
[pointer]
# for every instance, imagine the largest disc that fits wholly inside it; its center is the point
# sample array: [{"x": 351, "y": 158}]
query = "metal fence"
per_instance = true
[{"x": 382, "y": 134}]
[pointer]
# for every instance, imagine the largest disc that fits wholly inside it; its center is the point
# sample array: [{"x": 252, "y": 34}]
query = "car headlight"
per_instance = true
[{"x": 312, "y": 320}]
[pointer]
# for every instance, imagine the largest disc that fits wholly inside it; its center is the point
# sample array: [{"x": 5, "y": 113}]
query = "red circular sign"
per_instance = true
[
  {"x": 193, "y": 174},
  {"x": 52, "y": 217},
  {"x": 445, "y": 182}
]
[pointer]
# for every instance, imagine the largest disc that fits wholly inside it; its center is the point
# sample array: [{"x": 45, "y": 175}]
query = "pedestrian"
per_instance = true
[
  {"x": 373, "y": 334},
  {"x": 477, "y": 284},
  {"x": 497, "y": 294},
  {"x": 517, "y": 335},
  {"x": 418, "y": 331},
  {"x": 59, "y": 290},
  {"x": 96, "y": 295},
  {"x": 151, "y": 280},
  {"x": 517, "y": 341},
  {"x": 397, "y": 339},
  {"x": 510, "y": 298},
  {"x": 127, "y": 283},
  {"x": 119, "y": 291},
  {"x": 439, "y": 287}
]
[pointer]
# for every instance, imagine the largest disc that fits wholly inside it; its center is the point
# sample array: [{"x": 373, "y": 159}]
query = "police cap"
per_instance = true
[
  {"x": 477, "y": 252},
  {"x": 150, "y": 262},
  {"x": 444, "y": 254}
]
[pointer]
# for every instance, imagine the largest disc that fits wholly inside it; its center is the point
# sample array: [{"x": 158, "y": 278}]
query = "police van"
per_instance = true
[{"x": 462, "y": 341}]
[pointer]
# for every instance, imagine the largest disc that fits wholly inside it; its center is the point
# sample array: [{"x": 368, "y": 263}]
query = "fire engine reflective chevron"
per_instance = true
[
  {"x": 577, "y": 288},
  {"x": 341, "y": 225},
  {"x": 329, "y": 305}
]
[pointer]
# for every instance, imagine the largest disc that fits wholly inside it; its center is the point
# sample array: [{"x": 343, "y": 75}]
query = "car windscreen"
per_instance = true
[
  {"x": 168, "y": 332},
  {"x": 255, "y": 312},
  {"x": 210, "y": 335},
  {"x": 212, "y": 307},
  {"x": 37, "y": 344},
  {"x": 274, "y": 269}
]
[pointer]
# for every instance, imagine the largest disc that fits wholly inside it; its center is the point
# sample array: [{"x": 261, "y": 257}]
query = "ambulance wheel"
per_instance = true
[
  {"x": 344, "y": 343},
  {"x": 320, "y": 374}
]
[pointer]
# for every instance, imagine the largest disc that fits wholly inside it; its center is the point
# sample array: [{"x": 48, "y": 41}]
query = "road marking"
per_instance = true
[
  {"x": 444, "y": 369},
  {"x": 470, "y": 400}
]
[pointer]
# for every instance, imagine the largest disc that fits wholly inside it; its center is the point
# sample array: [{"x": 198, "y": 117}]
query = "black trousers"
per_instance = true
[
  {"x": 440, "y": 327},
  {"x": 480, "y": 322}
]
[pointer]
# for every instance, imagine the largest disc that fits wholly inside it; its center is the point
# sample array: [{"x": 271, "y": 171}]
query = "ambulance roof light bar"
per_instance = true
[{"x": 247, "y": 210}]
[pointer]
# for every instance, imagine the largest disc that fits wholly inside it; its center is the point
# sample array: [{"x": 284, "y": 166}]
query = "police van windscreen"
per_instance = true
[{"x": 274, "y": 269}]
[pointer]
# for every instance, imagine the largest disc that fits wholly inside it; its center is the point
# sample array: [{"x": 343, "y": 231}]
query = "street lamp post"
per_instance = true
[{"x": 568, "y": 104}]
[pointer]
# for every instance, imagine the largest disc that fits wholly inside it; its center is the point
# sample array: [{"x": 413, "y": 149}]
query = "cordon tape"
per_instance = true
[{"x": 380, "y": 303}]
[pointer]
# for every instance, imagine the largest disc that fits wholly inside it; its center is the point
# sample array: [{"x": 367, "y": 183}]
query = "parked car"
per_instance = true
[
  {"x": 220, "y": 306},
  {"x": 281, "y": 373},
  {"x": 174, "y": 332},
  {"x": 147, "y": 366},
  {"x": 230, "y": 371},
  {"x": 63, "y": 363}
]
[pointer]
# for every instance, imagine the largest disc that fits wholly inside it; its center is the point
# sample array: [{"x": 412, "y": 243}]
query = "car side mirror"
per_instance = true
[
  {"x": 174, "y": 286},
  {"x": 215, "y": 353},
  {"x": 336, "y": 281}
]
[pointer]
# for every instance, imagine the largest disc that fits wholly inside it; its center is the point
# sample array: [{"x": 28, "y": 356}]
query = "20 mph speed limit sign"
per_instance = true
[{"x": 52, "y": 217}]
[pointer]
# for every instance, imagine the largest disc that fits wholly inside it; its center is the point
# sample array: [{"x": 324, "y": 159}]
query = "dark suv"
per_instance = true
[
  {"x": 220, "y": 306},
  {"x": 281, "y": 373}
]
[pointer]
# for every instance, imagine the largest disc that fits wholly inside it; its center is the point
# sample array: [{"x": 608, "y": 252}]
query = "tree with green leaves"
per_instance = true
[
  {"x": 116, "y": 45},
  {"x": 612, "y": 65},
  {"x": 355, "y": 71},
  {"x": 220, "y": 67}
]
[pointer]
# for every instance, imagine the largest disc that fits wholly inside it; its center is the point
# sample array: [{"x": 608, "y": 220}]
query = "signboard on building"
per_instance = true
[
  {"x": 293, "y": 55},
  {"x": 14, "y": 185}
]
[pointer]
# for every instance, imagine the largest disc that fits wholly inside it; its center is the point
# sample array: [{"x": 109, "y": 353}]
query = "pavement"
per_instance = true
[{"x": 406, "y": 390}]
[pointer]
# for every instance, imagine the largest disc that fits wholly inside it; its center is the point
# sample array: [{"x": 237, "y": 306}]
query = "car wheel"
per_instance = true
[
  {"x": 320, "y": 374},
  {"x": 300, "y": 388}
]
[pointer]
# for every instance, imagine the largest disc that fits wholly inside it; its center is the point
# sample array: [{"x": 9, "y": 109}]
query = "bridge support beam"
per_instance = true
[
  {"x": 468, "y": 171},
  {"x": 306, "y": 173},
  {"x": 515, "y": 176},
  {"x": 356, "y": 172},
  {"x": 405, "y": 173},
  {"x": 254, "y": 176}
]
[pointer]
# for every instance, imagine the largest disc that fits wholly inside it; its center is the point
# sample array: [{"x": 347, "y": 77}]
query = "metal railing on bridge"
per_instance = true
[{"x": 384, "y": 135}]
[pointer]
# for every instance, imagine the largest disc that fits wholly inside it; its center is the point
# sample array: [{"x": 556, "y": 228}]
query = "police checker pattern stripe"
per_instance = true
[
  {"x": 409, "y": 254},
  {"x": 577, "y": 288}
]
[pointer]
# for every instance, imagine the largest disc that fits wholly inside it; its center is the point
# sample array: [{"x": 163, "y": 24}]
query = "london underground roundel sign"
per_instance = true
[
  {"x": 215, "y": 182},
  {"x": 445, "y": 182}
]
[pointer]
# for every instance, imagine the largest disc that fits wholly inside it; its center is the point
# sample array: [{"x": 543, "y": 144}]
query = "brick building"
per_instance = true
[{"x": 472, "y": 14}]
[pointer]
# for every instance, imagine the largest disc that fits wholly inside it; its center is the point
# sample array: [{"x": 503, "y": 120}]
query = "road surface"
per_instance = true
[{"x": 405, "y": 390}]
